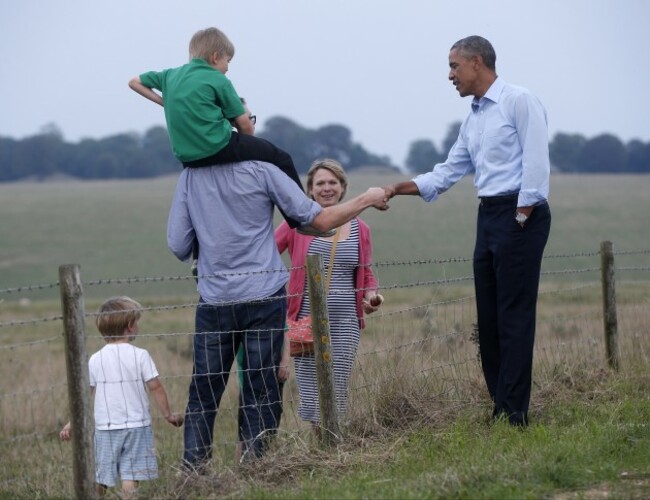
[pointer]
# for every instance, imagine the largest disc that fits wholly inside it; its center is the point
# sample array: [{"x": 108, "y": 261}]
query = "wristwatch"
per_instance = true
[{"x": 521, "y": 218}]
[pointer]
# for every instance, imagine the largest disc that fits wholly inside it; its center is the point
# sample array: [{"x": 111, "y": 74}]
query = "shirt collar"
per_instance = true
[
  {"x": 199, "y": 61},
  {"x": 493, "y": 93}
]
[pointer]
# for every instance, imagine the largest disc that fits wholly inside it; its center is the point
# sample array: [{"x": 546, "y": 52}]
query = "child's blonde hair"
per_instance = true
[
  {"x": 333, "y": 166},
  {"x": 115, "y": 315},
  {"x": 206, "y": 42}
]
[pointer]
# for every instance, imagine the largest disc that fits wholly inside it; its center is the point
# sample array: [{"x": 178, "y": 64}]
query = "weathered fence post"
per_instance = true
[
  {"x": 609, "y": 304},
  {"x": 76, "y": 360},
  {"x": 322, "y": 351}
]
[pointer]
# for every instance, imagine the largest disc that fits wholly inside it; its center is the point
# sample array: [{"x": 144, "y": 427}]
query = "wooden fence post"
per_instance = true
[
  {"x": 609, "y": 304},
  {"x": 76, "y": 360},
  {"x": 322, "y": 351}
]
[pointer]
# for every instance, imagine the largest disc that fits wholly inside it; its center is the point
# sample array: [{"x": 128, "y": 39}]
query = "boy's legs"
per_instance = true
[
  {"x": 244, "y": 147},
  {"x": 137, "y": 460},
  {"x": 130, "y": 489},
  {"x": 107, "y": 451}
]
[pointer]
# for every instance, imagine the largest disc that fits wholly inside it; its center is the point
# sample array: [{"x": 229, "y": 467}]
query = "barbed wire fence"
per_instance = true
[{"x": 417, "y": 359}]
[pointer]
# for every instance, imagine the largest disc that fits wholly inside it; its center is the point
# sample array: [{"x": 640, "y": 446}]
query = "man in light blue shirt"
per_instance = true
[
  {"x": 229, "y": 209},
  {"x": 504, "y": 142}
]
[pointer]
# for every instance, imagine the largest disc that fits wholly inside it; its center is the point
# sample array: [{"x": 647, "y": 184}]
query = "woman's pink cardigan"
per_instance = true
[{"x": 298, "y": 245}]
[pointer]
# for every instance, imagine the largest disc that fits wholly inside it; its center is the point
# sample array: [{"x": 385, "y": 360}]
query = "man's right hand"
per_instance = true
[
  {"x": 390, "y": 191},
  {"x": 377, "y": 198},
  {"x": 407, "y": 188}
]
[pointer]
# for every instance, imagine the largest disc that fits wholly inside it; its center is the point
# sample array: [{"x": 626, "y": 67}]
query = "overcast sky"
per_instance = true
[{"x": 378, "y": 67}]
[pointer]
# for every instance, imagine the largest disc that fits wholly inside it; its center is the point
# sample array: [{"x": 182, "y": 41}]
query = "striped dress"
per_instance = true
[{"x": 344, "y": 324}]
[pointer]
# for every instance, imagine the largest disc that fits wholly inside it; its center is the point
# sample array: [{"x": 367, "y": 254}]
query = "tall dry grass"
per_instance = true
[{"x": 417, "y": 367}]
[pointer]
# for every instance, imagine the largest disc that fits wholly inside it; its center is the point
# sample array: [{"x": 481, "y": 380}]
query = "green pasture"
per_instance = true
[
  {"x": 117, "y": 229},
  {"x": 424, "y": 430}
]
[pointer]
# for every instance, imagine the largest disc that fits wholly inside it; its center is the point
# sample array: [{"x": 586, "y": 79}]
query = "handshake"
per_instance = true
[{"x": 379, "y": 197}]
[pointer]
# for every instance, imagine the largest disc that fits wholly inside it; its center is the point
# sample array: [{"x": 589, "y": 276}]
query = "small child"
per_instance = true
[
  {"x": 119, "y": 373},
  {"x": 201, "y": 107}
]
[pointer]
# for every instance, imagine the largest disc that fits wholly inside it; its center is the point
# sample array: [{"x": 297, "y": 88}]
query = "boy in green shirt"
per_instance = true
[{"x": 201, "y": 108}]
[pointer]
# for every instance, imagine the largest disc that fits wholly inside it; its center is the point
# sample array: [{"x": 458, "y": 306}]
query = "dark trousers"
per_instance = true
[
  {"x": 507, "y": 263},
  {"x": 244, "y": 147},
  {"x": 242, "y": 417},
  {"x": 220, "y": 330}
]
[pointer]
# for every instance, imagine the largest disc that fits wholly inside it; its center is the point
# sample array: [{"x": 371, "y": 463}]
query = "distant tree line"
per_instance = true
[
  {"x": 604, "y": 153},
  {"x": 118, "y": 156},
  {"x": 132, "y": 155}
]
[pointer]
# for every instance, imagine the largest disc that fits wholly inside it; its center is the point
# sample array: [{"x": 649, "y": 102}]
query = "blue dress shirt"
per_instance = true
[{"x": 504, "y": 141}]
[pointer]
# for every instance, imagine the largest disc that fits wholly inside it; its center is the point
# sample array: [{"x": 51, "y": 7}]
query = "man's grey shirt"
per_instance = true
[{"x": 229, "y": 208}]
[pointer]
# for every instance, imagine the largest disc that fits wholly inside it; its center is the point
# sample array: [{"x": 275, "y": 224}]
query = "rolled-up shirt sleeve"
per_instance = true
[
  {"x": 532, "y": 130},
  {"x": 289, "y": 197},
  {"x": 445, "y": 175}
]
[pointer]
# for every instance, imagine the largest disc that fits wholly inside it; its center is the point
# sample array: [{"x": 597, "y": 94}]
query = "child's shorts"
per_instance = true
[{"x": 127, "y": 453}]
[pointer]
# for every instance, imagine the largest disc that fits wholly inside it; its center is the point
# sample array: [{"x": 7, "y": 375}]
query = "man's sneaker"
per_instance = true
[
  {"x": 195, "y": 269},
  {"x": 312, "y": 231}
]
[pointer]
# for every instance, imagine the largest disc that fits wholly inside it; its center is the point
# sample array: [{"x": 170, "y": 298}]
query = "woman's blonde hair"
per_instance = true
[
  {"x": 206, "y": 42},
  {"x": 333, "y": 166},
  {"x": 115, "y": 315}
]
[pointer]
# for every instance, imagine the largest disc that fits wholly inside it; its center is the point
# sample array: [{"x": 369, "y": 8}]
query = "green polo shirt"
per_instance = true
[{"x": 199, "y": 104}]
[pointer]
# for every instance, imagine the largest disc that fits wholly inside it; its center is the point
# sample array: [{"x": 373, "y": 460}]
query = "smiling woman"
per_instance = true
[
  {"x": 352, "y": 290},
  {"x": 327, "y": 183}
]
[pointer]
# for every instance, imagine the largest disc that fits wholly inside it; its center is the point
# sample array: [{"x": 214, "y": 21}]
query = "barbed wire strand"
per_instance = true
[{"x": 154, "y": 279}]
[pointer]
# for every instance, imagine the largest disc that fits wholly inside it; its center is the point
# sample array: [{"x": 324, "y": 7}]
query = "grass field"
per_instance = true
[
  {"x": 418, "y": 424},
  {"x": 117, "y": 229}
]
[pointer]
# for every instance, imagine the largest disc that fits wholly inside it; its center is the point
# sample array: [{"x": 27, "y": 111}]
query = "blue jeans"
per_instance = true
[{"x": 220, "y": 330}]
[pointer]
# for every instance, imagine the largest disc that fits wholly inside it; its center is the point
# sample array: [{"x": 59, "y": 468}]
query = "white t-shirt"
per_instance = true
[{"x": 119, "y": 372}]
